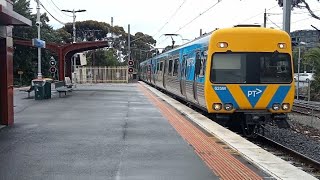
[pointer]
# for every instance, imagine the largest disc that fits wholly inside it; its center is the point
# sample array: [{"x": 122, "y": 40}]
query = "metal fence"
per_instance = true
[
  {"x": 304, "y": 90},
  {"x": 101, "y": 75}
]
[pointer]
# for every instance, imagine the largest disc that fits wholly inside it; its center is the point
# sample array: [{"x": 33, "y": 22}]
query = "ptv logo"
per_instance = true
[{"x": 254, "y": 93}]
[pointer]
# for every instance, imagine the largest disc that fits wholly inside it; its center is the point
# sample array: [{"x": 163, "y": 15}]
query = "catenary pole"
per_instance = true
[{"x": 287, "y": 15}]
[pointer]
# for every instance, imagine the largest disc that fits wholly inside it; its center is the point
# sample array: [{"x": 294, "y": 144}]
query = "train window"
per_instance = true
[
  {"x": 161, "y": 66},
  {"x": 251, "y": 68},
  {"x": 158, "y": 67},
  {"x": 197, "y": 64},
  {"x": 226, "y": 68},
  {"x": 183, "y": 66},
  {"x": 176, "y": 67},
  {"x": 204, "y": 55},
  {"x": 170, "y": 67}
]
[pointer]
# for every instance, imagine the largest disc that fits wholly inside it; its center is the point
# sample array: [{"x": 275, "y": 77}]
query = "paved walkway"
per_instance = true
[{"x": 97, "y": 132}]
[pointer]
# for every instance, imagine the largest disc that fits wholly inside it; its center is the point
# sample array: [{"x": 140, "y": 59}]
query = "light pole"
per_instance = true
[
  {"x": 299, "y": 60},
  {"x": 38, "y": 23},
  {"x": 74, "y": 21},
  {"x": 74, "y": 37}
]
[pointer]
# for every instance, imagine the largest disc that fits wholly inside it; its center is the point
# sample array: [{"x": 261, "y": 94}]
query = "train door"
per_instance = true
[{"x": 183, "y": 76}]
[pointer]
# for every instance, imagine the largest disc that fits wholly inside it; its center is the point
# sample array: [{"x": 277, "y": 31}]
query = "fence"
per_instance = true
[
  {"x": 304, "y": 90},
  {"x": 101, "y": 75}
]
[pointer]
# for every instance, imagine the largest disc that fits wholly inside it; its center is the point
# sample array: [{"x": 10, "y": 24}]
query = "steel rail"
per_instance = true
[{"x": 306, "y": 161}]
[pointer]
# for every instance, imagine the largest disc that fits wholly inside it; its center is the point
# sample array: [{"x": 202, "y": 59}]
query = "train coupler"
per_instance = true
[{"x": 281, "y": 120}]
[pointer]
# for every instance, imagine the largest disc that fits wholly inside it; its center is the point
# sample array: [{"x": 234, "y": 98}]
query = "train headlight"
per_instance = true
[
  {"x": 282, "y": 45},
  {"x": 222, "y": 45},
  {"x": 228, "y": 107},
  {"x": 285, "y": 106},
  {"x": 217, "y": 106},
  {"x": 276, "y": 107}
]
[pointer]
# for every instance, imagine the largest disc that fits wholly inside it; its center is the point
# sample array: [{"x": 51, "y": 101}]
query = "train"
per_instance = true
[{"x": 240, "y": 75}]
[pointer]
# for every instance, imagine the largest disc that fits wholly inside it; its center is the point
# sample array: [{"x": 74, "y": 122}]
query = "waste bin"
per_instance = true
[
  {"x": 47, "y": 88},
  {"x": 42, "y": 88}
]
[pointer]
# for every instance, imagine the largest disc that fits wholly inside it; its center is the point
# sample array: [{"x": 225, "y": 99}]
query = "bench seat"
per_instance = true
[
  {"x": 31, "y": 88},
  {"x": 61, "y": 88}
]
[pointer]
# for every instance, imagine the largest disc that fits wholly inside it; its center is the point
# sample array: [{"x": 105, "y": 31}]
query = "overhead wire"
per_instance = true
[
  {"x": 192, "y": 20},
  {"x": 57, "y": 12},
  {"x": 258, "y": 14},
  {"x": 198, "y": 16},
  {"x": 301, "y": 12},
  {"x": 273, "y": 23},
  {"x": 301, "y": 20},
  {"x": 170, "y": 18},
  {"x": 305, "y": 12},
  {"x": 59, "y": 9},
  {"x": 51, "y": 14}
]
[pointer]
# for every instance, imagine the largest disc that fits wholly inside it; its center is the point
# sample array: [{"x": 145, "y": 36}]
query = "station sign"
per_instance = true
[{"x": 38, "y": 43}]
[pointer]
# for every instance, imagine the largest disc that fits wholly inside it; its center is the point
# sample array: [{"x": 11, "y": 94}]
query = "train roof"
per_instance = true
[{"x": 206, "y": 37}]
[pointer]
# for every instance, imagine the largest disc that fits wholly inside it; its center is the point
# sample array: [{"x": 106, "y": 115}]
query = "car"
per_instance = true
[{"x": 304, "y": 77}]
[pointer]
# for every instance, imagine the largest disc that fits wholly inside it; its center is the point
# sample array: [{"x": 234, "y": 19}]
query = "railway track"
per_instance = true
[
  {"x": 297, "y": 159},
  {"x": 306, "y": 108}
]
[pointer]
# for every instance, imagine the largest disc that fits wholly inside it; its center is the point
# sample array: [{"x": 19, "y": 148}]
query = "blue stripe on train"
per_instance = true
[
  {"x": 279, "y": 96},
  {"x": 225, "y": 95}
]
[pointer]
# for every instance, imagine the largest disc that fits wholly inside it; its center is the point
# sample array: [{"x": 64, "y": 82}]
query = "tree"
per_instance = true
[
  {"x": 103, "y": 57},
  {"x": 312, "y": 56},
  {"x": 25, "y": 58},
  {"x": 301, "y": 4}
]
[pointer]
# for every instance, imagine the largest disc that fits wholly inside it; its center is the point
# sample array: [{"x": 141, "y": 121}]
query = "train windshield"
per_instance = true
[{"x": 251, "y": 68}]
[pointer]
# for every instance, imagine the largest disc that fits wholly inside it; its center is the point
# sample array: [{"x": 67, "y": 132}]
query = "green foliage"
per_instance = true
[
  {"x": 312, "y": 57},
  {"x": 25, "y": 58},
  {"x": 103, "y": 58}
]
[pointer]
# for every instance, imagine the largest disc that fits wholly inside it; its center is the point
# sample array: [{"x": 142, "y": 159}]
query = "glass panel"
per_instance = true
[
  {"x": 251, "y": 68},
  {"x": 176, "y": 67},
  {"x": 170, "y": 67}
]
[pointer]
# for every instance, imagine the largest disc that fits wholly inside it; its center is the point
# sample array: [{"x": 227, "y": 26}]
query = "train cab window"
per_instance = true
[
  {"x": 175, "y": 67},
  {"x": 251, "y": 68},
  {"x": 226, "y": 68},
  {"x": 275, "y": 68},
  {"x": 170, "y": 67}
]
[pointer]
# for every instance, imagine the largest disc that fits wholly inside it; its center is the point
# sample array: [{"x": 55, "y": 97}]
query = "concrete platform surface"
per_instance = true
[
  {"x": 271, "y": 164},
  {"x": 96, "y": 132}
]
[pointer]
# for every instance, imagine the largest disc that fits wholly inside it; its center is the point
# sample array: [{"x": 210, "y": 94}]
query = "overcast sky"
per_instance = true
[{"x": 149, "y": 16}]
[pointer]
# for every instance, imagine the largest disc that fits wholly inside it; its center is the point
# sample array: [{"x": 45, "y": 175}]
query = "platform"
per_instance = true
[
  {"x": 115, "y": 131},
  {"x": 96, "y": 132}
]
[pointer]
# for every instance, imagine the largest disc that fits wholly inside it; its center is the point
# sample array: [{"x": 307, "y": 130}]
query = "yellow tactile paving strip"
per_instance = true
[{"x": 218, "y": 159}]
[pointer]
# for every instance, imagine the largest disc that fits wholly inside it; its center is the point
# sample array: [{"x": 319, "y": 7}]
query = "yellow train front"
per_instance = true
[{"x": 250, "y": 73}]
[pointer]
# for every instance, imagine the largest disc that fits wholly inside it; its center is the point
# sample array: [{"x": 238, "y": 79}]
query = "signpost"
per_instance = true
[
  {"x": 38, "y": 43},
  {"x": 20, "y": 74}
]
